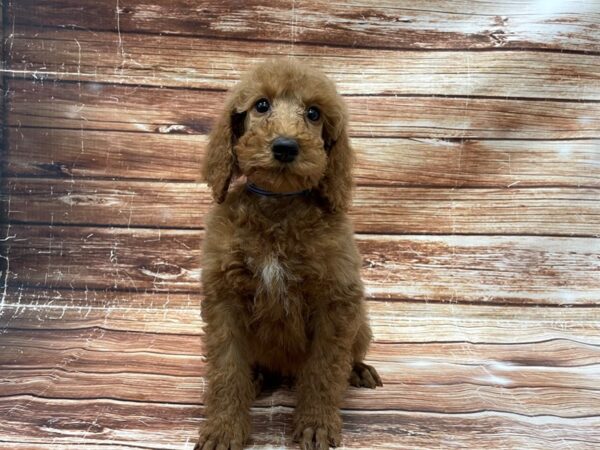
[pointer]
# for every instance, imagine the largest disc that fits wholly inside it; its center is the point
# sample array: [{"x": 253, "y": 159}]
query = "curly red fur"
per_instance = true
[{"x": 281, "y": 273}]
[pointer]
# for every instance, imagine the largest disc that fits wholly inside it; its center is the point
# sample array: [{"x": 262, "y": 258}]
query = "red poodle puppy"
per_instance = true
[{"x": 281, "y": 268}]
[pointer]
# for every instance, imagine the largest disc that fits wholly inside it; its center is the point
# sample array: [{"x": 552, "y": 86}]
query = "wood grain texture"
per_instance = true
[
  {"x": 94, "y": 421},
  {"x": 129, "y": 340},
  {"x": 95, "y": 106},
  {"x": 390, "y": 24},
  {"x": 512, "y": 333},
  {"x": 386, "y": 162},
  {"x": 105, "y": 154},
  {"x": 104, "y": 202},
  {"x": 477, "y": 211},
  {"x": 419, "y": 384},
  {"x": 77, "y": 55},
  {"x": 477, "y": 128},
  {"x": 512, "y": 269},
  {"x": 395, "y": 324},
  {"x": 554, "y": 211},
  {"x": 106, "y": 257},
  {"x": 145, "y": 312},
  {"x": 472, "y": 377}
]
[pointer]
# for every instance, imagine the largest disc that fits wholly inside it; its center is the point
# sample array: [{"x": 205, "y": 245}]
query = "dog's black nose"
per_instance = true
[{"x": 285, "y": 149}]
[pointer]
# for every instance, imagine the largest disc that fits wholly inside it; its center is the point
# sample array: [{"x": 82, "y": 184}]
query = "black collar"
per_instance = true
[{"x": 255, "y": 189}]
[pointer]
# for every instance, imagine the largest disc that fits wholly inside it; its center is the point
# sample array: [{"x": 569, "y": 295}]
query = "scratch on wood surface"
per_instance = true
[
  {"x": 293, "y": 27},
  {"x": 120, "y": 50},
  {"x": 6, "y": 258},
  {"x": 6, "y": 270},
  {"x": 78, "y": 57}
]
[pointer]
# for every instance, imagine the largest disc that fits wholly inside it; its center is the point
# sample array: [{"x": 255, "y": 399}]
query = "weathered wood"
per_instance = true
[
  {"x": 392, "y": 322},
  {"x": 94, "y": 106},
  {"x": 76, "y": 55},
  {"x": 390, "y": 23},
  {"x": 540, "y": 211},
  {"x": 467, "y": 163},
  {"x": 544, "y": 270},
  {"x": 31, "y": 342},
  {"x": 137, "y": 259},
  {"x": 453, "y": 390},
  {"x": 83, "y": 153},
  {"x": 487, "y": 268},
  {"x": 429, "y": 379},
  {"x": 396, "y": 326},
  {"x": 143, "y": 312},
  {"x": 431, "y": 387},
  {"x": 97, "y": 421},
  {"x": 131, "y": 203},
  {"x": 100, "y": 328},
  {"x": 556, "y": 211},
  {"x": 431, "y": 162}
]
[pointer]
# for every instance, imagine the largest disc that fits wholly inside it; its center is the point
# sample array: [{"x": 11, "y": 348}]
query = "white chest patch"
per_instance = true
[{"x": 274, "y": 276}]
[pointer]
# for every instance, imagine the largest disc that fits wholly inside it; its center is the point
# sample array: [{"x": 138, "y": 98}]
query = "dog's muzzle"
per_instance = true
[{"x": 285, "y": 149}]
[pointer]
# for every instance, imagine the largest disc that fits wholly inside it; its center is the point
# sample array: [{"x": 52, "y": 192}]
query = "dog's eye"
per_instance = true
[
  {"x": 262, "y": 106},
  {"x": 313, "y": 113}
]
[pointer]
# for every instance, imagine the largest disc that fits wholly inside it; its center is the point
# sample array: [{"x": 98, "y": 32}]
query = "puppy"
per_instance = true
[{"x": 280, "y": 266}]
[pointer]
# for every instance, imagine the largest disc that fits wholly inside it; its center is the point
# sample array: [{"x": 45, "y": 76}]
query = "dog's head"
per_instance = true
[{"x": 284, "y": 128}]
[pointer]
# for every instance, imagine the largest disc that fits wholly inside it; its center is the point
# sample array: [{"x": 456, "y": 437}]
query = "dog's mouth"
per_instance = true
[{"x": 279, "y": 180}]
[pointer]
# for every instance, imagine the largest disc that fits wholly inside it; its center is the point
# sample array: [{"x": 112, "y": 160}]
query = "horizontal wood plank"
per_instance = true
[
  {"x": 96, "y": 421},
  {"x": 416, "y": 385},
  {"x": 472, "y": 163},
  {"x": 85, "y": 153},
  {"x": 163, "y": 260},
  {"x": 38, "y": 337},
  {"x": 543, "y": 270},
  {"x": 94, "y": 106},
  {"x": 539, "y": 211},
  {"x": 452, "y": 392},
  {"x": 171, "y": 313},
  {"x": 393, "y": 322},
  {"x": 391, "y": 24},
  {"x": 555, "y": 211},
  {"x": 132, "y": 203},
  {"x": 76, "y": 55},
  {"x": 431, "y": 162}
]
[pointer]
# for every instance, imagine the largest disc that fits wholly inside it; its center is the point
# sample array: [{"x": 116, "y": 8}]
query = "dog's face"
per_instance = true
[
  {"x": 284, "y": 129},
  {"x": 282, "y": 147}
]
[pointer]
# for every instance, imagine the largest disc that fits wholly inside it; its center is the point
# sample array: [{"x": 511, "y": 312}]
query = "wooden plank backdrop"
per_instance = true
[{"x": 477, "y": 212}]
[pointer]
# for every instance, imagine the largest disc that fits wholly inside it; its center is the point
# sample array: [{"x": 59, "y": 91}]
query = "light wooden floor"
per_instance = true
[{"x": 477, "y": 211}]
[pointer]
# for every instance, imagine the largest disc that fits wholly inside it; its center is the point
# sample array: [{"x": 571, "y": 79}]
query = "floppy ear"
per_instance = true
[
  {"x": 336, "y": 185},
  {"x": 220, "y": 165}
]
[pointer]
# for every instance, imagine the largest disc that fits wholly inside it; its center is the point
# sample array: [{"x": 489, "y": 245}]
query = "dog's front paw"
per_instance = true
[
  {"x": 221, "y": 436},
  {"x": 318, "y": 434}
]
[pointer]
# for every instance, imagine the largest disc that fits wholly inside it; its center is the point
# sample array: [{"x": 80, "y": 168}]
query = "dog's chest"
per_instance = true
[
  {"x": 277, "y": 285},
  {"x": 278, "y": 309},
  {"x": 280, "y": 267},
  {"x": 274, "y": 275}
]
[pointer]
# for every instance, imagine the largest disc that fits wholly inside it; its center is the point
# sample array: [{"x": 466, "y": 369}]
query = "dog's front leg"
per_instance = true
[
  {"x": 230, "y": 388},
  {"x": 323, "y": 379}
]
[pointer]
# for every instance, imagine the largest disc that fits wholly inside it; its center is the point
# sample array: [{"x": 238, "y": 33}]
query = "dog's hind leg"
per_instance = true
[{"x": 363, "y": 375}]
